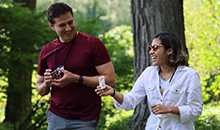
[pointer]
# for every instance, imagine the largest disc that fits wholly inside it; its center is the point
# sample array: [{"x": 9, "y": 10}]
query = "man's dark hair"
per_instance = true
[{"x": 56, "y": 10}]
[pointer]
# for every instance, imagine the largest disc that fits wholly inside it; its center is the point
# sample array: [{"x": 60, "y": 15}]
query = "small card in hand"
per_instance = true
[
  {"x": 102, "y": 82},
  {"x": 58, "y": 72}
]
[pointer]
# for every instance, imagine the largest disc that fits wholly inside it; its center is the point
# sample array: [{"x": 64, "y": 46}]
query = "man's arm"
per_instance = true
[
  {"x": 106, "y": 70},
  {"x": 42, "y": 88}
]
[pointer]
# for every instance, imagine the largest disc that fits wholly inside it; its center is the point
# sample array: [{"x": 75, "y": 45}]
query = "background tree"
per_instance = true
[
  {"x": 20, "y": 43},
  {"x": 150, "y": 17},
  {"x": 19, "y": 76}
]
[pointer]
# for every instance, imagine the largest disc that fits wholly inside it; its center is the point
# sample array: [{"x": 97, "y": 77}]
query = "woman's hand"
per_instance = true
[
  {"x": 108, "y": 90},
  {"x": 162, "y": 109}
]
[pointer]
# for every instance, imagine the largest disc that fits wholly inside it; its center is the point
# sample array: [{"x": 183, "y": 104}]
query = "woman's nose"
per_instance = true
[{"x": 151, "y": 51}]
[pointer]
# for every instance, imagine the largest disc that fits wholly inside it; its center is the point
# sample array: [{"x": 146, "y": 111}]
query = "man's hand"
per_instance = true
[
  {"x": 48, "y": 77},
  {"x": 67, "y": 79},
  {"x": 44, "y": 82}
]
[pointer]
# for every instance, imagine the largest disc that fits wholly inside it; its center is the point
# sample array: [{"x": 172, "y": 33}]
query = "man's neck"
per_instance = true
[
  {"x": 74, "y": 36},
  {"x": 62, "y": 41}
]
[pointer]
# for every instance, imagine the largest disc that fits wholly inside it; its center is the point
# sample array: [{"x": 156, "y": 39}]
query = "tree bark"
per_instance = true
[
  {"x": 19, "y": 106},
  {"x": 19, "y": 90},
  {"x": 150, "y": 17}
]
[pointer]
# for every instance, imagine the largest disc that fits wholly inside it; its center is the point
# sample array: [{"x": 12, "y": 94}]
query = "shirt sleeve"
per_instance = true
[
  {"x": 134, "y": 97},
  {"x": 193, "y": 108},
  {"x": 100, "y": 52},
  {"x": 42, "y": 65}
]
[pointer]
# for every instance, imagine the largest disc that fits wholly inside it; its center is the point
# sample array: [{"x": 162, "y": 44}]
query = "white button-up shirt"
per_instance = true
[{"x": 184, "y": 92}]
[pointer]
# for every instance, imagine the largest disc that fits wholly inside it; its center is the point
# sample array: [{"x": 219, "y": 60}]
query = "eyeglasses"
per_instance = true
[{"x": 154, "y": 47}]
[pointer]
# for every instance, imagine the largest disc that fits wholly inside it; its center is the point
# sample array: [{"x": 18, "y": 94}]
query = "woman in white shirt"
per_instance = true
[{"x": 173, "y": 89}]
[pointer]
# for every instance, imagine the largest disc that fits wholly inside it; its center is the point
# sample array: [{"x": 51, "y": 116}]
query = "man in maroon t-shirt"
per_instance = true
[{"x": 82, "y": 59}]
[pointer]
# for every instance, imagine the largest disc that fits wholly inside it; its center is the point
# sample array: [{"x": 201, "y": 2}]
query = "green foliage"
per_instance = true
[
  {"x": 91, "y": 22},
  {"x": 112, "y": 118},
  {"x": 119, "y": 44},
  {"x": 120, "y": 121},
  {"x": 203, "y": 36},
  {"x": 112, "y": 12},
  {"x": 22, "y": 33},
  {"x": 6, "y": 126},
  {"x": 3, "y": 85},
  {"x": 210, "y": 118},
  {"x": 40, "y": 106}
]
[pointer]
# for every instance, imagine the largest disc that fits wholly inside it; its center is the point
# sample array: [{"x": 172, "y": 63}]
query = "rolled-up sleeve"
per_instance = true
[{"x": 193, "y": 107}]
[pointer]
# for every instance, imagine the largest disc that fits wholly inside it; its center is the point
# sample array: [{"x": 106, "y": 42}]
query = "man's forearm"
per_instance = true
[{"x": 92, "y": 81}]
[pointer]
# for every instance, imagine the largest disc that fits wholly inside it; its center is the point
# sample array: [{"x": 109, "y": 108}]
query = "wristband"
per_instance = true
[
  {"x": 80, "y": 81},
  {"x": 113, "y": 93}
]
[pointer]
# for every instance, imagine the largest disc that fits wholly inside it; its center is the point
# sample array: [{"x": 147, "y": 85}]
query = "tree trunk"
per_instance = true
[
  {"x": 19, "y": 106},
  {"x": 19, "y": 91},
  {"x": 150, "y": 17}
]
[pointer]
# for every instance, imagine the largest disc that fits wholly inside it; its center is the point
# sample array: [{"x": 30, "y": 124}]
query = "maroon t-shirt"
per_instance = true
[{"x": 80, "y": 56}]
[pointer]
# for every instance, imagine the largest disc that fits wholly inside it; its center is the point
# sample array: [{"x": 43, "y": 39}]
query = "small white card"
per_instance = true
[{"x": 102, "y": 82}]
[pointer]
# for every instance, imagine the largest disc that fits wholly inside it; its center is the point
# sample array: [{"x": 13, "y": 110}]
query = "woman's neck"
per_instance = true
[{"x": 166, "y": 72}]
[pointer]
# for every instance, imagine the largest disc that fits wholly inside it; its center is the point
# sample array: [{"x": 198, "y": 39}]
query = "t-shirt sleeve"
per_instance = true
[
  {"x": 100, "y": 52},
  {"x": 41, "y": 63}
]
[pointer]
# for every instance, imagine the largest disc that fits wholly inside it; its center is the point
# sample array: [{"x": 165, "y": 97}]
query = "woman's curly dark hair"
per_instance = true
[{"x": 179, "y": 55}]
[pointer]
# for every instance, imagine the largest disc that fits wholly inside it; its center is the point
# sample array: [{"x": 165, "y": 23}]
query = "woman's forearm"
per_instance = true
[{"x": 118, "y": 96}]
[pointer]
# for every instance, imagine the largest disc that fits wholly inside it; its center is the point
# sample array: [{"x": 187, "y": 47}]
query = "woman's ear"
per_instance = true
[{"x": 169, "y": 51}]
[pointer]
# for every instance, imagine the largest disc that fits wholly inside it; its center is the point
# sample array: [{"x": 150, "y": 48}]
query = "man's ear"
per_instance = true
[{"x": 51, "y": 26}]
